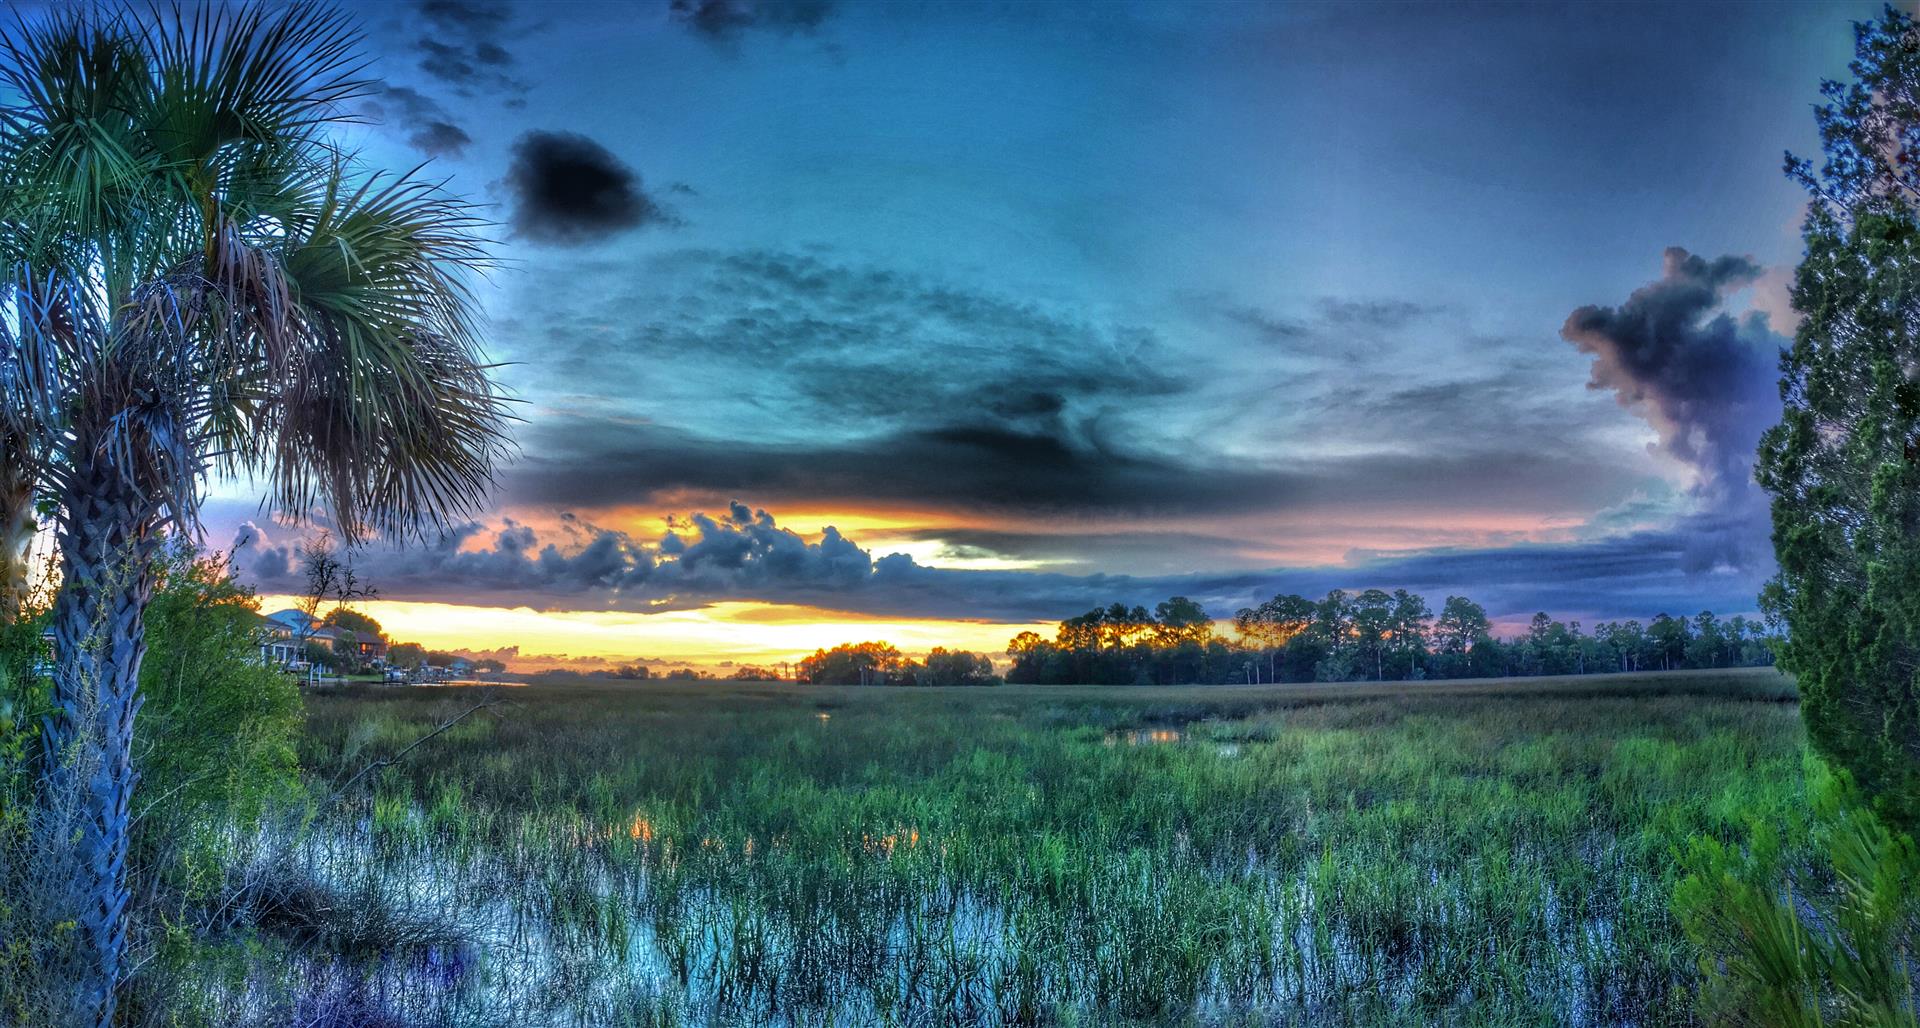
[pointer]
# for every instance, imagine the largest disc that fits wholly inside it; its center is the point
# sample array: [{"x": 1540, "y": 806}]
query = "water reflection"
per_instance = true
[
  {"x": 699, "y": 939},
  {"x": 1146, "y": 737}
]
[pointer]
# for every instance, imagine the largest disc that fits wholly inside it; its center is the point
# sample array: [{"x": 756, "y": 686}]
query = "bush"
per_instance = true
[
  {"x": 1824, "y": 948},
  {"x": 215, "y": 746}
]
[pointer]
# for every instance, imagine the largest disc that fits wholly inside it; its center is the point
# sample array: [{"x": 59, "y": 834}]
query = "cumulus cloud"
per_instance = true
[
  {"x": 1706, "y": 384},
  {"x": 743, "y": 554},
  {"x": 727, "y": 20},
  {"x": 697, "y": 559},
  {"x": 570, "y": 190}
]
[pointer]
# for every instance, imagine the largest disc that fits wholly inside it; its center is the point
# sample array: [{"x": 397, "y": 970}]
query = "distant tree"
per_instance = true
[
  {"x": 867, "y": 663},
  {"x": 1411, "y": 620},
  {"x": 1462, "y": 624},
  {"x": 1373, "y": 623},
  {"x": 331, "y": 580},
  {"x": 1843, "y": 465},
  {"x": 353, "y": 621},
  {"x": 406, "y": 655},
  {"x": 1368, "y": 635},
  {"x": 945, "y": 667},
  {"x": 1273, "y": 626},
  {"x": 1708, "y": 646},
  {"x": 1668, "y": 636},
  {"x": 1180, "y": 620},
  {"x": 1334, "y": 635}
]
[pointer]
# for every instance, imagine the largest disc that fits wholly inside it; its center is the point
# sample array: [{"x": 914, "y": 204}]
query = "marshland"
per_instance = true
[
  {"x": 1489, "y": 852},
  {"x": 434, "y": 435}
]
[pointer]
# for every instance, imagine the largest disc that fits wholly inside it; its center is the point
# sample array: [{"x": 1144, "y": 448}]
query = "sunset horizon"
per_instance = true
[
  {"x": 893, "y": 334},
  {"x": 959, "y": 513}
]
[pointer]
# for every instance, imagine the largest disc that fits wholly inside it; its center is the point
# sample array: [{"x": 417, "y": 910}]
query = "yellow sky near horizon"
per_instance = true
[{"x": 710, "y": 637}]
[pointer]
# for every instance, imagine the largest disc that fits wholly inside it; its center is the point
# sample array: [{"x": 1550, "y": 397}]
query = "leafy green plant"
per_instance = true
[{"x": 1828, "y": 947}]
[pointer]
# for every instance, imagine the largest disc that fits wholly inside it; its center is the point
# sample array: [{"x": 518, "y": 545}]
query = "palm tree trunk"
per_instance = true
[
  {"x": 106, "y": 548},
  {"x": 16, "y": 525}
]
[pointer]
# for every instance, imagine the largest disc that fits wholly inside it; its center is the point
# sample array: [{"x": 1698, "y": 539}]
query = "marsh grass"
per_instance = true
[{"x": 720, "y": 854}]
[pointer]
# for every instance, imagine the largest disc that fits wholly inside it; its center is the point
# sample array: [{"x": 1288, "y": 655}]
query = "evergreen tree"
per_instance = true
[{"x": 1843, "y": 465}]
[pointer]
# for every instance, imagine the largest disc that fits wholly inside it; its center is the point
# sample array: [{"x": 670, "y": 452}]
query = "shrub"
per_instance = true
[{"x": 1824, "y": 948}]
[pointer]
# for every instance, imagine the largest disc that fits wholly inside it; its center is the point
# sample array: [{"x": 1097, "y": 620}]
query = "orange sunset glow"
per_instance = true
[{"x": 710, "y": 638}]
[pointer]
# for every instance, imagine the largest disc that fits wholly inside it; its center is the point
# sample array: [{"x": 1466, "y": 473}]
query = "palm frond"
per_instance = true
[
  {"x": 233, "y": 286},
  {"x": 387, "y": 415}
]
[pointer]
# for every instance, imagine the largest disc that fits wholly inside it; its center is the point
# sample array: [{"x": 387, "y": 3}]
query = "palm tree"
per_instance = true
[
  {"x": 200, "y": 280},
  {"x": 17, "y": 496}
]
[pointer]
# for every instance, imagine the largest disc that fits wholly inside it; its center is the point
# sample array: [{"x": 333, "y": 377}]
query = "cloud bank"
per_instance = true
[{"x": 743, "y": 554}]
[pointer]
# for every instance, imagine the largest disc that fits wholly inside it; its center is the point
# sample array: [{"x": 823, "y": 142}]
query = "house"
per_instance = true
[
  {"x": 278, "y": 644},
  {"x": 302, "y": 629},
  {"x": 298, "y": 621},
  {"x": 339, "y": 640},
  {"x": 367, "y": 646}
]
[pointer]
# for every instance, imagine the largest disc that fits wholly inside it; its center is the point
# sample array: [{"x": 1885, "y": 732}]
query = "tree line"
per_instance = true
[
  {"x": 1372, "y": 635},
  {"x": 879, "y": 663}
]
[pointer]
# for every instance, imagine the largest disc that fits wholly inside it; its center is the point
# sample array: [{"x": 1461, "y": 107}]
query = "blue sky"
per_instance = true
[{"x": 1072, "y": 303}]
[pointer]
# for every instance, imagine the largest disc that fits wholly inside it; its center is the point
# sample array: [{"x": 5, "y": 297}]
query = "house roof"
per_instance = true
[{"x": 294, "y": 619}]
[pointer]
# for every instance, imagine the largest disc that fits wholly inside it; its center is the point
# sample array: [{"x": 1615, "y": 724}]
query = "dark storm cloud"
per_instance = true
[
  {"x": 568, "y": 190},
  {"x": 1704, "y": 381},
  {"x": 994, "y": 469},
  {"x": 429, "y": 127},
  {"x": 743, "y": 554},
  {"x": 798, "y": 377},
  {"x": 727, "y": 20}
]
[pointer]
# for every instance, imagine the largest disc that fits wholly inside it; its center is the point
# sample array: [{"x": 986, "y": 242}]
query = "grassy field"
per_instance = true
[{"x": 1487, "y": 852}]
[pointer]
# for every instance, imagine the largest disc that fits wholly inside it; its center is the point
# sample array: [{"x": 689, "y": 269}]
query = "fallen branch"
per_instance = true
[{"x": 397, "y": 757}]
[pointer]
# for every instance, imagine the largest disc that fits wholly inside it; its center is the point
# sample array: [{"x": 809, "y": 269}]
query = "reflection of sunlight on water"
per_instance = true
[
  {"x": 1146, "y": 737},
  {"x": 1165, "y": 736},
  {"x": 908, "y": 838},
  {"x": 824, "y": 716}
]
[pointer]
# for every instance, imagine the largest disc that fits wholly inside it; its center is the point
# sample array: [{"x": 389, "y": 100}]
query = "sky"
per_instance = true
[{"x": 932, "y": 322}]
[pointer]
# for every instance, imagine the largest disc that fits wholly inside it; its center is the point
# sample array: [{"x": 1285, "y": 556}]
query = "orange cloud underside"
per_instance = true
[
  {"x": 735, "y": 632},
  {"x": 1315, "y": 536}
]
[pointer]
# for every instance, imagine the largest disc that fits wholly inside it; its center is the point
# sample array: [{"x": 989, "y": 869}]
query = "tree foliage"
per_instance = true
[
  {"x": 1372, "y": 635},
  {"x": 195, "y": 277},
  {"x": 1843, "y": 465}
]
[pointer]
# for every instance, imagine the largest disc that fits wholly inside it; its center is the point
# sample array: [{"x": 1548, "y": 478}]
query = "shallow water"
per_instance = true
[{"x": 706, "y": 955}]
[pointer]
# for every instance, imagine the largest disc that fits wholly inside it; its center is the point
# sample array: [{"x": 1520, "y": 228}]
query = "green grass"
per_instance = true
[{"x": 715, "y": 853}]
